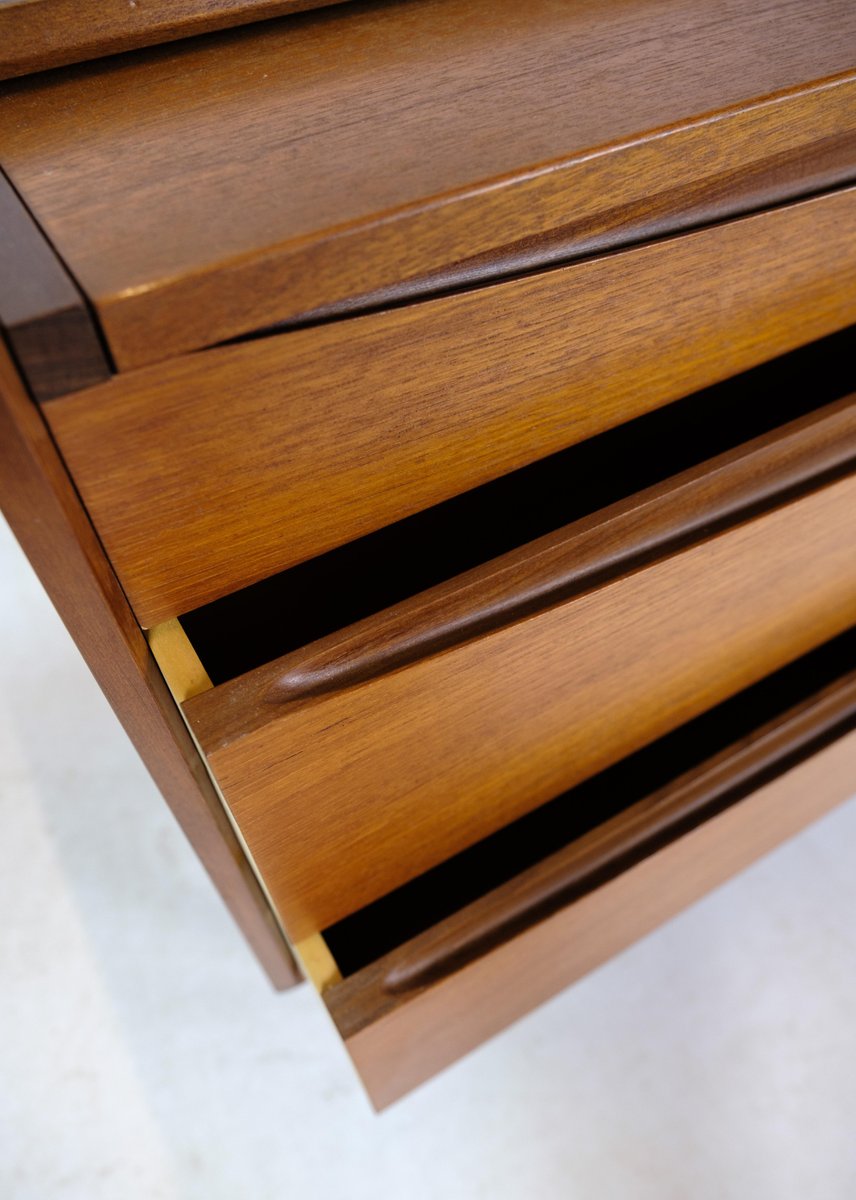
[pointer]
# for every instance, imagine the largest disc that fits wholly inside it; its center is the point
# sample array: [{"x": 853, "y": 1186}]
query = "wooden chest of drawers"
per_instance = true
[{"x": 436, "y": 425}]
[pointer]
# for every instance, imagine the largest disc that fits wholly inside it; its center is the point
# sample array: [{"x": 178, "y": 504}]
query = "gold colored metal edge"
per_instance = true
[
  {"x": 179, "y": 663},
  {"x": 319, "y": 965},
  {"x": 185, "y": 677}
]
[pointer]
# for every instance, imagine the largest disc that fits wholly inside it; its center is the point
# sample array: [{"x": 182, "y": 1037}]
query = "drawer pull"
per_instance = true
[
  {"x": 617, "y": 843},
  {"x": 734, "y": 486}
]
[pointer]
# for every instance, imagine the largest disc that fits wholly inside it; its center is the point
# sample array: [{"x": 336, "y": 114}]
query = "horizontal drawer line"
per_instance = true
[
  {"x": 615, "y": 845},
  {"x": 514, "y": 264},
  {"x": 695, "y": 505}
]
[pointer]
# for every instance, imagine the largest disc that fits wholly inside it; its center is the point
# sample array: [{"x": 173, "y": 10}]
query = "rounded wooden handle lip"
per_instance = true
[
  {"x": 676, "y": 808},
  {"x": 764, "y": 473}
]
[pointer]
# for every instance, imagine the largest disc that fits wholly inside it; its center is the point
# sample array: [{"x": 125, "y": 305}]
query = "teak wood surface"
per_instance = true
[
  {"x": 208, "y": 189},
  {"x": 208, "y": 473},
  {"x": 582, "y": 865},
  {"x": 38, "y": 34},
  {"x": 410, "y": 1041},
  {"x": 39, "y": 501},
  {"x": 572, "y": 560},
  {"x": 348, "y": 796}
]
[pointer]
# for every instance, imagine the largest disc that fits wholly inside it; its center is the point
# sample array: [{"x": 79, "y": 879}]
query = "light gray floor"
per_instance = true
[{"x": 143, "y": 1056}]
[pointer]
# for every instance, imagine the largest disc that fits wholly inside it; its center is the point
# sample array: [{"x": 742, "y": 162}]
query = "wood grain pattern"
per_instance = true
[
  {"x": 742, "y": 482},
  {"x": 46, "y": 320},
  {"x": 38, "y": 34},
  {"x": 346, "y": 797},
  {"x": 398, "y": 410},
  {"x": 46, "y": 516},
  {"x": 586, "y": 863},
  {"x": 218, "y": 187},
  {"x": 416, "y": 1039}
]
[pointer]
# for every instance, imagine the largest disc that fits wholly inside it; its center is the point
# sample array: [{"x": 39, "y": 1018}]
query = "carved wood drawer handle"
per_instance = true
[
  {"x": 687, "y": 508},
  {"x": 626, "y": 838}
]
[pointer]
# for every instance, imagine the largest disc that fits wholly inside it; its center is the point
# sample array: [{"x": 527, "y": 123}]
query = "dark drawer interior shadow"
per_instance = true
[
  {"x": 280, "y": 614},
  {"x": 368, "y": 934}
]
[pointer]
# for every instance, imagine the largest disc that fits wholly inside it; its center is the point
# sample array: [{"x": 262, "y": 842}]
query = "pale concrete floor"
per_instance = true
[{"x": 143, "y": 1055}]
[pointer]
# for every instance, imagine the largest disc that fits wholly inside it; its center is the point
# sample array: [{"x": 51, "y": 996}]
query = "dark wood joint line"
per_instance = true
[{"x": 48, "y": 324}]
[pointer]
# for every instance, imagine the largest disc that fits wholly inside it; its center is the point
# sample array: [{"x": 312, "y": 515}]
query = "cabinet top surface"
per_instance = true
[
  {"x": 202, "y": 190},
  {"x": 36, "y": 35}
]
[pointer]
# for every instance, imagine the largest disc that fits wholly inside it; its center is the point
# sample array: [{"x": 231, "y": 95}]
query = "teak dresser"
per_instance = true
[{"x": 435, "y": 422}]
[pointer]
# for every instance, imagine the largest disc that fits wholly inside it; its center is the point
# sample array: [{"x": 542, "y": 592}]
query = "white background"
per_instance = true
[{"x": 144, "y": 1056}]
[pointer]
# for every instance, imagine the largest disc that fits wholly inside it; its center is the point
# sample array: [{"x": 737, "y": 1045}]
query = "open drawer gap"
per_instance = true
[
  {"x": 614, "y": 819},
  {"x": 288, "y": 611},
  {"x": 363, "y": 760}
]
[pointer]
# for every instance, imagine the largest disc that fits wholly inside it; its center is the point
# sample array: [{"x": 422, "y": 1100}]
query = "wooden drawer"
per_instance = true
[
  {"x": 366, "y": 758},
  {"x": 219, "y": 469},
  {"x": 225, "y": 185},
  {"x": 466, "y": 410},
  {"x": 445, "y": 963}
]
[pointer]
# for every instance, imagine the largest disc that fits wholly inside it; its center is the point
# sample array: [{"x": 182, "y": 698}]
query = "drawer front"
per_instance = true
[
  {"x": 211, "y": 472},
  {"x": 400, "y": 1036},
  {"x": 346, "y": 795},
  {"x": 233, "y": 183}
]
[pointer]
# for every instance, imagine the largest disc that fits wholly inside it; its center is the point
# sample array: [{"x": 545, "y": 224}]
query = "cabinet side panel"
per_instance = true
[{"x": 46, "y": 516}]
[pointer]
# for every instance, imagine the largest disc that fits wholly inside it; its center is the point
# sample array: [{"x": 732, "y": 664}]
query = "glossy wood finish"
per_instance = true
[
  {"x": 46, "y": 320},
  {"x": 588, "y": 553},
  {"x": 414, "y": 1036},
  {"x": 585, "y": 863},
  {"x": 228, "y": 466},
  {"x": 40, "y": 504},
  {"x": 218, "y": 187},
  {"x": 344, "y": 798},
  {"x": 38, "y": 34}
]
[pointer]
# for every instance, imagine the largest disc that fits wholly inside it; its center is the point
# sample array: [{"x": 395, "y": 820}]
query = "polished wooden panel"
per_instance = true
[
  {"x": 415, "y": 1039},
  {"x": 604, "y": 851},
  {"x": 55, "y": 341},
  {"x": 568, "y": 562},
  {"x": 38, "y": 34},
  {"x": 218, "y": 187},
  {"x": 209, "y": 473},
  {"x": 40, "y": 504},
  {"x": 347, "y": 796}
]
